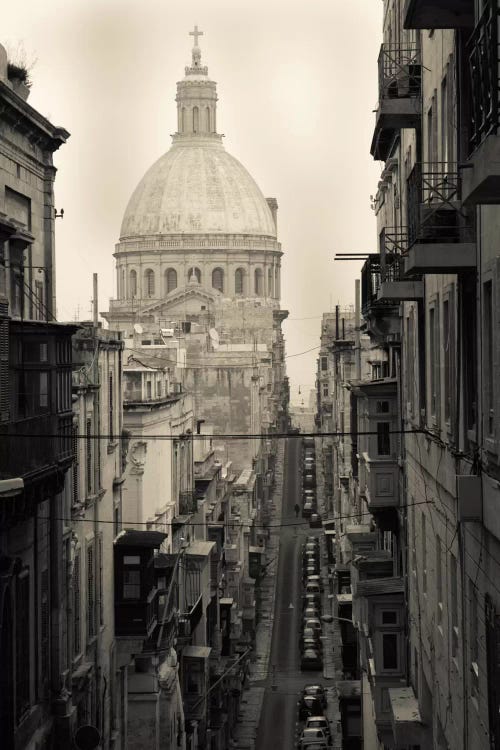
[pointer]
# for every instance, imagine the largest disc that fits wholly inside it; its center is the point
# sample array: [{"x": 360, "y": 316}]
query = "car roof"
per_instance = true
[
  {"x": 310, "y": 652},
  {"x": 314, "y": 686},
  {"x": 316, "y": 718}
]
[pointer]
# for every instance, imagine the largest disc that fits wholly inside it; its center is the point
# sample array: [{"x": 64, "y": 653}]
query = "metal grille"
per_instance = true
[
  {"x": 483, "y": 53},
  {"x": 399, "y": 72}
]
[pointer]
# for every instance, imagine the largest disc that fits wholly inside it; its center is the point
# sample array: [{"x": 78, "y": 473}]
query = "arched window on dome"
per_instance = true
[
  {"x": 258, "y": 279},
  {"x": 194, "y": 273},
  {"x": 218, "y": 279},
  {"x": 183, "y": 120},
  {"x": 170, "y": 280},
  {"x": 133, "y": 284},
  {"x": 207, "y": 120},
  {"x": 122, "y": 293},
  {"x": 277, "y": 281},
  {"x": 269, "y": 282},
  {"x": 239, "y": 281},
  {"x": 149, "y": 283},
  {"x": 196, "y": 120}
]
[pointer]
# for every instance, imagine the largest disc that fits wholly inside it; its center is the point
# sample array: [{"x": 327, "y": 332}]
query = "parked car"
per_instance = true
[
  {"x": 312, "y": 587},
  {"x": 316, "y": 579},
  {"x": 309, "y": 705},
  {"x": 316, "y": 690},
  {"x": 312, "y": 539},
  {"x": 312, "y": 735},
  {"x": 308, "y": 509},
  {"x": 310, "y": 569},
  {"x": 311, "y": 547},
  {"x": 309, "y": 479},
  {"x": 311, "y": 659},
  {"x": 315, "y": 521},
  {"x": 320, "y": 722},
  {"x": 311, "y": 642},
  {"x": 311, "y": 612},
  {"x": 311, "y": 600},
  {"x": 312, "y": 622}
]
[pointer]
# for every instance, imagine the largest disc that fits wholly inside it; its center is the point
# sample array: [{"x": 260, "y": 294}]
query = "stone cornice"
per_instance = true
[
  {"x": 29, "y": 121},
  {"x": 203, "y": 242}
]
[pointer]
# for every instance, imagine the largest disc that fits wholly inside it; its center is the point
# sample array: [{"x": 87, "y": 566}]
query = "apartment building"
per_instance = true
[
  {"x": 35, "y": 432},
  {"x": 423, "y": 573}
]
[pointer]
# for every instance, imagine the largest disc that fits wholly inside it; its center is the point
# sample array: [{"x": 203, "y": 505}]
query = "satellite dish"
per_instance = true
[
  {"x": 87, "y": 737},
  {"x": 138, "y": 328},
  {"x": 214, "y": 336}
]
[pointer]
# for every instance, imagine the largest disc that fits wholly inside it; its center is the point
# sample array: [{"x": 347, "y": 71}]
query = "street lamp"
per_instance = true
[{"x": 331, "y": 618}]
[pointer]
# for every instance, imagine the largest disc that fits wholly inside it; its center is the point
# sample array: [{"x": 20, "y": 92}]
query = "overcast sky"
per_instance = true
[{"x": 297, "y": 86}]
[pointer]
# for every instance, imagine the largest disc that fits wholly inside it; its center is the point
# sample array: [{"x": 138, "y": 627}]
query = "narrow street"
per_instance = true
[{"x": 278, "y": 721}]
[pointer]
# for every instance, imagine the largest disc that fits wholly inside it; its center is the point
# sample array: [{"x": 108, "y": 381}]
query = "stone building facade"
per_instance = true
[{"x": 425, "y": 601}]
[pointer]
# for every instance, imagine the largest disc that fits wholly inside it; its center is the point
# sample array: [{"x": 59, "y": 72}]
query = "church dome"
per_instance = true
[{"x": 197, "y": 188}]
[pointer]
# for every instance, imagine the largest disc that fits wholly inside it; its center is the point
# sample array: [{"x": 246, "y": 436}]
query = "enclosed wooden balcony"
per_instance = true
[
  {"x": 481, "y": 173},
  {"x": 438, "y": 14},
  {"x": 399, "y": 105},
  {"x": 441, "y": 236}
]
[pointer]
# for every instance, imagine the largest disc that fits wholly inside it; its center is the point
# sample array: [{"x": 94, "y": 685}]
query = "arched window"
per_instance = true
[
  {"x": 122, "y": 284},
  {"x": 218, "y": 279},
  {"x": 277, "y": 282},
  {"x": 258, "y": 282},
  {"x": 194, "y": 274},
  {"x": 133, "y": 283},
  {"x": 196, "y": 119},
  {"x": 170, "y": 280},
  {"x": 207, "y": 111},
  {"x": 239, "y": 281},
  {"x": 269, "y": 282},
  {"x": 183, "y": 120},
  {"x": 149, "y": 283}
]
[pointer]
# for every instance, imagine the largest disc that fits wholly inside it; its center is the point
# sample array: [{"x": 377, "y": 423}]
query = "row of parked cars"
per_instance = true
[
  {"x": 309, "y": 496},
  {"x": 311, "y": 706}
]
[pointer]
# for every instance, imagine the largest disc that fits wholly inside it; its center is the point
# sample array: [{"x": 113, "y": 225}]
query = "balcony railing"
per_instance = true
[
  {"x": 393, "y": 248},
  {"x": 483, "y": 53},
  {"x": 435, "y": 213},
  {"x": 399, "y": 72}
]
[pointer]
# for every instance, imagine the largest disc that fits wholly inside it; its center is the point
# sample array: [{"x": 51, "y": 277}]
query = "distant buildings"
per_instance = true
[{"x": 418, "y": 550}]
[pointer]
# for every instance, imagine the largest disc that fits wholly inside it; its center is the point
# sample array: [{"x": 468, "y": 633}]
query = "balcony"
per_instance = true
[
  {"x": 438, "y": 14},
  {"x": 394, "y": 288},
  {"x": 382, "y": 485},
  {"x": 441, "y": 235},
  {"x": 481, "y": 175},
  {"x": 400, "y": 104},
  {"x": 187, "y": 503},
  {"x": 407, "y": 725}
]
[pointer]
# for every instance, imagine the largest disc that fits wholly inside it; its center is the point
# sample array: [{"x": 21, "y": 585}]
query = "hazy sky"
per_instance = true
[{"x": 297, "y": 86}]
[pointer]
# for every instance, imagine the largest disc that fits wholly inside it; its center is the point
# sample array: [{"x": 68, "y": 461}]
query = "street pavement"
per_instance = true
[{"x": 268, "y": 715}]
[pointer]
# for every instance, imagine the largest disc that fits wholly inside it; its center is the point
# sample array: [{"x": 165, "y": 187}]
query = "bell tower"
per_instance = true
[{"x": 196, "y": 98}]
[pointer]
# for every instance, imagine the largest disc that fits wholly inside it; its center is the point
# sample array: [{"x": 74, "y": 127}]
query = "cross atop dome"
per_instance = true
[{"x": 196, "y": 34}]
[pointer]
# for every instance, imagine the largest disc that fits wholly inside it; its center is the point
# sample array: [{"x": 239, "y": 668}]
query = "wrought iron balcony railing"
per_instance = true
[
  {"x": 370, "y": 282},
  {"x": 435, "y": 211},
  {"x": 393, "y": 248},
  {"x": 484, "y": 58},
  {"x": 399, "y": 72}
]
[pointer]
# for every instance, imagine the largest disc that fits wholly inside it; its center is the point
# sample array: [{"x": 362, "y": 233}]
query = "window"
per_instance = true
[
  {"x": 39, "y": 301},
  {"x": 91, "y": 629},
  {"x": 325, "y": 390},
  {"x": 439, "y": 582},
  {"x": 324, "y": 364},
  {"x": 101, "y": 581},
  {"x": 170, "y": 280},
  {"x": 454, "y": 605},
  {"x": 89, "y": 457},
  {"x": 434, "y": 361},
  {"x": 44, "y": 624},
  {"x": 390, "y": 651},
  {"x": 447, "y": 393},
  {"x": 149, "y": 283},
  {"x": 194, "y": 275},
  {"x": 196, "y": 120},
  {"x": 424, "y": 554},
  {"x": 76, "y": 466},
  {"x": 258, "y": 282},
  {"x": 389, "y": 617},
  {"x": 239, "y": 281},
  {"x": 77, "y": 625},
  {"x": 131, "y": 577},
  {"x": 474, "y": 638},
  {"x": 382, "y": 407},
  {"x": 207, "y": 120},
  {"x": 23, "y": 645},
  {"x": 218, "y": 279},
  {"x": 269, "y": 282},
  {"x": 383, "y": 439},
  {"x": 488, "y": 328},
  {"x": 133, "y": 283},
  {"x": 469, "y": 359},
  {"x": 410, "y": 360},
  {"x": 111, "y": 407}
]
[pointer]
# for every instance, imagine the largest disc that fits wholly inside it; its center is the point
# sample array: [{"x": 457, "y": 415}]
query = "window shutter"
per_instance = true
[
  {"x": 90, "y": 591},
  {"x": 44, "y": 624},
  {"x": 4, "y": 371},
  {"x": 77, "y": 632}
]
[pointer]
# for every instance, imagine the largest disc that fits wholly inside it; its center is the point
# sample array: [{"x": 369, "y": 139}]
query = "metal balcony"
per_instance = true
[
  {"x": 400, "y": 106},
  {"x": 438, "y": 14},
  {"x": 382, "y": 317},
  {"x": 481, "y": 175},
  {"x": 394, "y": 288},
  {"x": 441, "y": 236}
]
